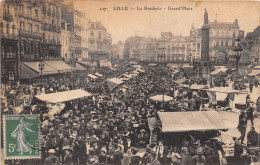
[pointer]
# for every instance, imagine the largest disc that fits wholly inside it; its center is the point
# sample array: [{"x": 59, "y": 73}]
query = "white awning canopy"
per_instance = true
[
  {"x": 196, "y": 86},
  {"x": 254, "y": 73},
  {"x": 61, "y": 66},
  {"x": 92, "y": 76},
  {"x": 98, "y": 74},
  {"x": 114, "y": 82},
  {"x": 191, "y": 121},
  {"x": 60, "y": 97},
  {"x": 161, "y": 98}
]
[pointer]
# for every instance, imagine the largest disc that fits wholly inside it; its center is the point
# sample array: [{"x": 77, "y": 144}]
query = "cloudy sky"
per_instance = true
[{"x": 125, "y": 23}]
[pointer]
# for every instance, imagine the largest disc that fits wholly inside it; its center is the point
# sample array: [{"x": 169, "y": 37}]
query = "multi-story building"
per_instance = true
[
  {"x": 51, "y": 26},
  {"x": 99, "y": 42},
  {"x": 67, "y": 31},
  {"x": 253, "y": 40},
  {"x": 175, "y": 48},
  {"x": 9, "y": 43},
  {"x": 222, "y": 39}
]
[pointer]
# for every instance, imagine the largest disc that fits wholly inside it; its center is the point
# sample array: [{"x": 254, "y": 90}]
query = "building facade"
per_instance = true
[
  {"x": 99, "y": 42},
  {"x": 222, "y": 39}
]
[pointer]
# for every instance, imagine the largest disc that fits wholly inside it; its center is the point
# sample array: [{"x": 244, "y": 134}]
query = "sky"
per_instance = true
[{"x": 122, "y": 24}]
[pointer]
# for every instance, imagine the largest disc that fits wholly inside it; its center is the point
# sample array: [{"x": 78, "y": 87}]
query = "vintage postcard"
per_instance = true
[{"x": 130, "y": 82}]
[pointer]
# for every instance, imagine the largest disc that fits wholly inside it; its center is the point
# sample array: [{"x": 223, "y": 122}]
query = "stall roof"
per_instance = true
[
  {"x": 152, "y": 64},
  {"x": 116, "y": 81},
  {"x": 98, "y": 74},
  {"x": 196, "y": 86},
  {"x": 224, "y": 90},
  {"x": 180, "y": 81},
  {"x": 161, "y": 98},
  {"x": 60, "y": 97},
  {"x": 92, "y": 76},
  {"x": 79, "y": 67},
  {"x": 254, "y": 73},
  {"x": 191, "y": 121}
]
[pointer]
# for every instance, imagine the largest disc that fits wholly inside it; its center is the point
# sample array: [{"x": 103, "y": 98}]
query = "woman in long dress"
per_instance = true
[{"x": 19, "y": 134}]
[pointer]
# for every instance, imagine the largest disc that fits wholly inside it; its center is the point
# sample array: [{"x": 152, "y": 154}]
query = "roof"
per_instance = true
[
  {"x": 60, "y": 97},
  {"x": 79, "y": 67},
  {"x": 180, "y": 81},
  {"x": 98, "y": 74},
  {"x": 92, "y": 76},
  {"x": 196, "y": 86},
  {"x": 223, "y": 25},
  {"x": 254, "y": 73},
  {"x": 191, "y": 121},
  {"x": 161, "y": 98},
  {"x": 223, "y": 90}
]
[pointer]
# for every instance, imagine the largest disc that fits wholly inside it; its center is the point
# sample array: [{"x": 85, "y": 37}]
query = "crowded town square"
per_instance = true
[
  {"x": 140, "y": 115},
  {"x": 173, "y": 87}
]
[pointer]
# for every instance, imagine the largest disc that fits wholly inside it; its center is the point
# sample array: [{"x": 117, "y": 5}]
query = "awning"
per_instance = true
[
  {"x": 98, "y": 74},
  {"x": 92, "y": 76},
  {"x": 161, "y": 98},
  {"x": 254, "y": 73},
  {"x": 180, "y": 81},
  {"x": 132, "y": 63},
  {"x": 191, "y": 121},
  {"x": 240, "y": 99},
  {"x": 114, "y": 82},
  {"x": 47, "y": 68},
  {"x": 152, "y": 64},
  {"x": 60, "y": 97},
  {"x": 136, "y": 66},
  {"x": 172, "y": 65},
  {"x": 27, "y": 72},
  {"x": 127, "y": 76},
  {"x": 196, "y": 86},
  {"x": 221, "y": 96},
  {"x": 61, "y": 66},
  {"x": 140, "y": 70},
  {"x": 79, "y": 67},
  {"x": 223, "y": 90}
]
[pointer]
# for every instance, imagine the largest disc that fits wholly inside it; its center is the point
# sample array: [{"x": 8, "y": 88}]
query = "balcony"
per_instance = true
[
  {"x": 30, "y": 34},
  {"x": 77, "y": 37},
  {"x": 8, "y": 36}
]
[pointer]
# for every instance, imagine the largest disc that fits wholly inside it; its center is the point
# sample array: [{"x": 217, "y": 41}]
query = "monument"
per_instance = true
[{"x": 203, "y": 67}]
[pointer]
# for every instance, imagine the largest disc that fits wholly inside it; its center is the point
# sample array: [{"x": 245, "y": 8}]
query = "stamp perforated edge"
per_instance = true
[{"x": 4, "y": 139}]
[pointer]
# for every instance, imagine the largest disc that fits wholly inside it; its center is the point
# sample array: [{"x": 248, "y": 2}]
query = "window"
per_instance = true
[
  {"x": 29, "y": 11},
  {"x": 7, "y": 29},
  {"x": 21, "y": 25},
  {"x": 37, "y": 28},
  {"x": 13, "y": 27},
  {"x": 92, "y": 33},
  {"x": 99, "y": 35},
  {"x": 217, "y": 44},
  {"x": 21, "y": 9},
  {"x": 198, "y": 46},
  {"x": 30, "y": 27},
  {"x": 92, "y": 26},
  {"x": 226, "y": 43},
  {"x": 99, "y": 46},
  {"x": 233, "y": 43},
  {"x": 36, "y": 13},
  {"x": 222, "y": 43},
  {"x": 183, "y": 45}
]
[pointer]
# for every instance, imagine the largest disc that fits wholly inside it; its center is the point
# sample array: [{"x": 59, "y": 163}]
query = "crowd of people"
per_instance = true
[{"x": 111, "y": 127}]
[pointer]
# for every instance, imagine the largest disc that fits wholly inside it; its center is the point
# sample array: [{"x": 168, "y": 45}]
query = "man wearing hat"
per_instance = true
[
  {"x": 252, "y": 137},
  {"x": 52, "y": 159},
  {"x": 142, "y": 139},
  {"x": 117, "y": 156},
  {"x": 67, "y": 155},
  {"x": 250, "y": 112}
]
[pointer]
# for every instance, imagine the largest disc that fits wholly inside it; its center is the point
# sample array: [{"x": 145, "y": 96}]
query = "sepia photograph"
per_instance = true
[{"x": 130, "y": 82}]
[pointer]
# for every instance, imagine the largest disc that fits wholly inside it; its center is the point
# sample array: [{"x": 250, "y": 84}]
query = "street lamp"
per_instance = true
[
  {"x": 238, "y": 51},
  {"x": 41, "y": 66}
]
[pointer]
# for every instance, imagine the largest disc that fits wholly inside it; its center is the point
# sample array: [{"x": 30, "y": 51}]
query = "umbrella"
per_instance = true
[{"x": 161, "y": 98}]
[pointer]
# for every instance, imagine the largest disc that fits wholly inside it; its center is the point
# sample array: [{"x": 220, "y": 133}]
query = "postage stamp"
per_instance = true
[{"x": 21, "y": 136}]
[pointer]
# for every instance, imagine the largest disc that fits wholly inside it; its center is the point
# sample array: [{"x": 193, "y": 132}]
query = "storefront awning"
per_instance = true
[
  {"x": 191, "y": 121},
  {"x": 254, "y": 73},
  {"x": 196, "y": 86},
  {"x": 60, "y": 97},
  {"x": 47, "y": 68},
  {"x": 61, "y": 66}
]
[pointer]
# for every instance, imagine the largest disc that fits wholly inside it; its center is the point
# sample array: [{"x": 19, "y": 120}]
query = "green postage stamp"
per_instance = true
[{"x": 21, "y": 136}]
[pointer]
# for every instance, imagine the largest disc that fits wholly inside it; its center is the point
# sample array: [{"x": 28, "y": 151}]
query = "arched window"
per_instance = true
[
  {"x": 233, "y": 43},
  {"x": 13, "y": 28},
  {"x": 222, "y": 33},
  {"x": 226, "y": 43},
  {"x": 7, "y": 29},
  {"x": 217, "y": 44},
  {"x": 222, "y": 43}
]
